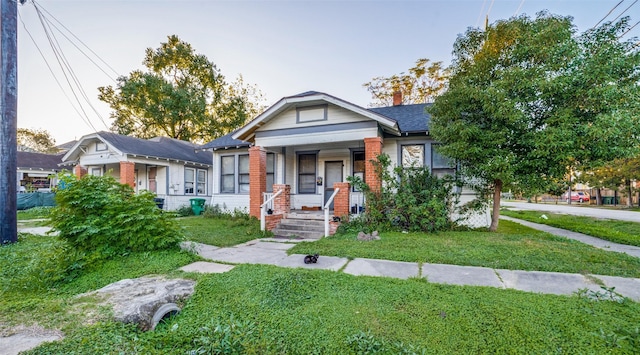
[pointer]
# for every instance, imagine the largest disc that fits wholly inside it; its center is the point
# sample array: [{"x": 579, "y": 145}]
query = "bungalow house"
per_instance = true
[
  {"x": 305, "y": 146},
  {"x": 37, "y": 171},
  {"x": 169, "y": 167}
]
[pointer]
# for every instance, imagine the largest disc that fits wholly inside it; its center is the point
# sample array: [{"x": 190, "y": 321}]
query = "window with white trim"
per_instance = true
[
  {"x": 441, "y": 165},
  {"x": 358, "y": 161},
  {"x": 195, "y": 181},
  {"x": 96, "y": 171}
]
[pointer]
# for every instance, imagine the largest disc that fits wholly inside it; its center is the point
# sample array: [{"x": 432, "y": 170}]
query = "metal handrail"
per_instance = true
[
  {"x": 262, "y": 215},
  {"x": 326, "y": 212}
]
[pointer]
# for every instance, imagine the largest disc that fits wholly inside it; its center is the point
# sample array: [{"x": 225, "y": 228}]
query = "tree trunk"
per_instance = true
[
  {"x": 627, "y": 184},
  {"x": 598, "y": 197},
  {"x": 495, "y": 214}
]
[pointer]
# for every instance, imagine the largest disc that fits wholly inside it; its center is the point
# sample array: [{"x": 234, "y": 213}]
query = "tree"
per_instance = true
[
  {"x": 422, "y": 84},
  {"x": 181, "y": 95},
  {"x": 528, "y": 100},
  {"x": 36, "y": 140}
]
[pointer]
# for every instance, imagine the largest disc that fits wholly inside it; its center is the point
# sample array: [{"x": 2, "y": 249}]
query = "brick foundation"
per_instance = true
[
  {"x": 272, "y": 220},
  {"x": 127, "y": 173},
  {"x": 282, "y": 202},
  {"x": 257, "y": 179}
]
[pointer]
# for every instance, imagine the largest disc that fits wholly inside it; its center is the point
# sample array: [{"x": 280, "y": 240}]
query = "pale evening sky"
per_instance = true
[{"x": 283, "y": 47}]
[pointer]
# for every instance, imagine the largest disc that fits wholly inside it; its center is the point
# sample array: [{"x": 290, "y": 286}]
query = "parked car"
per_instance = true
[{"x": 576, "y": 196}]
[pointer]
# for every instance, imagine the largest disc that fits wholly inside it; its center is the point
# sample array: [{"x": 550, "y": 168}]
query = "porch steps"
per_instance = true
[{"x": 308, "y": 226}]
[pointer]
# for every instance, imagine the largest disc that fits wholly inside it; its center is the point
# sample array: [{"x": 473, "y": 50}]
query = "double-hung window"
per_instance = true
[
  {"x": 441, "y": 165},
  {"x": 243, "y": 174},
  {"x": 271, "y": 169},
  {"x": 307, "y": 173},
  {"x": 358, "y": 165},
  {"x": 195, "y": 181},
  {"x": 228, "y": 174}
]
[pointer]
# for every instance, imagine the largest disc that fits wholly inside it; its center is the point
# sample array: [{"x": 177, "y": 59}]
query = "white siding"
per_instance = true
[
  {"x": 230, "y": 202},
  {"x": 335, "y": 115},
  {"x": 317, "y": 137}
]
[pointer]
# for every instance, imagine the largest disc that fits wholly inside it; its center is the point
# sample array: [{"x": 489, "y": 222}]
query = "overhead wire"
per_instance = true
[
  {"x": 52, "y": 72},
  {"x": 66, "y": 67},
  {"x": 625, "y": 10},
  {"x": 608, "y": 13},
  {"x": 520, "y": 6}
]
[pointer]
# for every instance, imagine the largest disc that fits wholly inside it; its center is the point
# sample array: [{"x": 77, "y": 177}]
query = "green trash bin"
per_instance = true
[{"x": 197, "y": 205}]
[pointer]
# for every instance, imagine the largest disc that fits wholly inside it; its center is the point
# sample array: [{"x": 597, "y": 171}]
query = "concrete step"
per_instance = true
[
  {"x": 312, "y": 215},
  {"x": 301, "y": 225},
  {"x": 278, "y": 232}
]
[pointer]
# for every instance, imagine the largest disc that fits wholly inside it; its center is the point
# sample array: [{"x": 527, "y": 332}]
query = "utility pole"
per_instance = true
[{"x": 8, "y": 120}]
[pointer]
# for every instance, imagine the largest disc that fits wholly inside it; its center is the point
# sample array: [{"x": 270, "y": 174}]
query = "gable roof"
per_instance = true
[
  {"x": 410, "y": 118},
  {"x": 159, "y": 147},
  {"x": 407, "y": 118},
  {"x": 310, "y": 98},
  {"x": 225, "y": 142},
  {"x": 39, "y": 161}
]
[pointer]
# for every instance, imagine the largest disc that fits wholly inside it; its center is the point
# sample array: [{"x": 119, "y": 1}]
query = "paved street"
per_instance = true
[{"x": 575, "y": 210}]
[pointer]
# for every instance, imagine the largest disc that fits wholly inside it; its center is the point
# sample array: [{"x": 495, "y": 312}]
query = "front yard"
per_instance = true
[{"x": 264, "y": 309}]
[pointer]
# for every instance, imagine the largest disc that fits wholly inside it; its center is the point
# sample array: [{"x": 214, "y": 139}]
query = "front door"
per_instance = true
[
  {"x": 151, "y": 174},
  {"x": 332, "y": 173}
]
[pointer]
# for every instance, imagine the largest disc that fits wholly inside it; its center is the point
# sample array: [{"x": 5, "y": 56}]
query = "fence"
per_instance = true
[{"x": 35, "y": 199}]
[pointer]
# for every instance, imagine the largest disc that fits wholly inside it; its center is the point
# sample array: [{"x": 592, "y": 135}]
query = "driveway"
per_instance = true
[{"x": 576, "y": 211}]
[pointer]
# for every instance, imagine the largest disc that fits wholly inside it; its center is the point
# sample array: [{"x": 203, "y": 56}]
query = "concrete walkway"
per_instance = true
[
  {"x": 580, "y": 210},
  {"x": 274, "y": 252},
  {"x": 587, "y": 239}
]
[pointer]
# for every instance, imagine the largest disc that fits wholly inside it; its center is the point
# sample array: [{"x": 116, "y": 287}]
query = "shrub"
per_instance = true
[
  {"x": 97, "y": 214},
  {"x": 410, "y": 199}
]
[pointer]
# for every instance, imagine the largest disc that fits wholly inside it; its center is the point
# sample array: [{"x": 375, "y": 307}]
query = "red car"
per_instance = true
[{"x": 576, "y": 196}]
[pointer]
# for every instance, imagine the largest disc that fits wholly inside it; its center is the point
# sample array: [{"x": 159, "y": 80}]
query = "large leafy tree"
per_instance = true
[
  {"x": 36, "y": 140},
  {"x": 421, "y": 84},
  {"x": 181, "y": 95},
  {"x": 528, "y": 100}
]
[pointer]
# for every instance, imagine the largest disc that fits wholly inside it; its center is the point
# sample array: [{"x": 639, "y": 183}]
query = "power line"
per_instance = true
[
  {"x": 608, "y": 13},
  {"x": 481, "y": 12},
  {"x": 520, "y": 6},
  {"x": 625, "y": 10},
  {"x": 54, "y": 75},
  {"x": 79, "y": 40}
]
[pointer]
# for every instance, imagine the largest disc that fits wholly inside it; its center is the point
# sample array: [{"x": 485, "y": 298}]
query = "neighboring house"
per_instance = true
[
  {"x": 308, "y": 144},
  {"x": 169, "y": 167},
  {"x": 37, "y": 171}
]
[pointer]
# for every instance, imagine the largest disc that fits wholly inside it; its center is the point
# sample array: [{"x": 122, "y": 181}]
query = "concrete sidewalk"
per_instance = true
[
  {"x": 274, "y": 252},
  {"x": 587, "y": 239}
]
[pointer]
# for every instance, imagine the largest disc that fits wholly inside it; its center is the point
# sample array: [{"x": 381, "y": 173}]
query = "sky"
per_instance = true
[{"x": 282, "y": 47}]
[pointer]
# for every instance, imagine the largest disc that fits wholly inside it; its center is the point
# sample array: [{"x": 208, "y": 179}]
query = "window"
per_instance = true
[
  {"x": 358, "y": 166},
  {"x": 227, "y": 174},
  {"x": 96, "y": 171},
  {"x": 202, "y": 182},
  {"x": 195, "y": 181},
  {"x": 271, "y": 168},
  {"x": 413, "y": 156},
  {"x": 101, "y": 146},
  {"x": 441, "y": 165},
  {"x": 189, "y": 180},
  {"x": 311, "y": 114},
  {"x": 307, "y": 173},
  {"x": 243, "y": 174}
]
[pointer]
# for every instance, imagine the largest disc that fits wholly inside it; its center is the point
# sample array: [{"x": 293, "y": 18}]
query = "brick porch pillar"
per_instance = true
[
  {"x": 282, "y": 202},
  {"x": 127, "y": 173},
  {"x": 341, "y": 201},
  {"x": 257, "y": 179},
  {"x": 372, "y": 148},
  {"x": 79, "y": 171}
]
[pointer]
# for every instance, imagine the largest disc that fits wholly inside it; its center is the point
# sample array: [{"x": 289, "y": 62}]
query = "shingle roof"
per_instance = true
[
  {"x": 225, "y": 142},
  {"x": 410, "y": 118},
  {"x": 159, "y": 147},
  {"x": 29, "y": 160}
]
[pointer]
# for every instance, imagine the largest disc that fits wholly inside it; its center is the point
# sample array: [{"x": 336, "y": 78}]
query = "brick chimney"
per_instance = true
[{"x": 397, "y": 98}]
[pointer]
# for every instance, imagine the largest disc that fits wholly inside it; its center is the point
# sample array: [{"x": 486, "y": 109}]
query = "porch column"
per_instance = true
[
  {"x": 127, "y": 173},
  {"x": 257, "y": 179},
  {"x": 79, "y": 171},
  {"x": 282, "y": 202},
  {"x": 341, "y": 201},
  {"x": 372, "y": 148}
]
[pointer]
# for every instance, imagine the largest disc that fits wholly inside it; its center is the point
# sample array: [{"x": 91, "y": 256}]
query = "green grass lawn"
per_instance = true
[
  {"x": 268, "y": 310},
  {"x": 34, "y": 213},
  {"x": 513, "y": 247},
  {"x": 220, "y": 231},
  {"x": 622, "y": 232}
]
